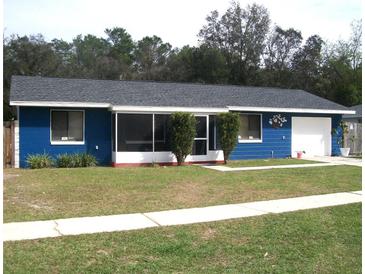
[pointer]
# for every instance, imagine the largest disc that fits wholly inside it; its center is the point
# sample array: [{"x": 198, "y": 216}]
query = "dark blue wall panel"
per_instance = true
[
  {"x": 34, "y": 134},
  {"x": 276, "y": 143}
]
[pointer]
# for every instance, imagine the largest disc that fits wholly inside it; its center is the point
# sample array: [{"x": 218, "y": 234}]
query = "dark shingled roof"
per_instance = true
[{"x": 148, "y": 93}]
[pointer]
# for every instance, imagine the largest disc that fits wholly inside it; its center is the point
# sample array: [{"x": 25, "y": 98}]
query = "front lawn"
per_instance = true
[
  {"x": 62, "y": 193},
  {"x": 269, "y": 162},
  {"x": 326, "y": 240}
]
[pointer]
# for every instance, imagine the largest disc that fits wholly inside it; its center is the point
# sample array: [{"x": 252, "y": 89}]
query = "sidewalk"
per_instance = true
[{"x": 85, "y": 225}]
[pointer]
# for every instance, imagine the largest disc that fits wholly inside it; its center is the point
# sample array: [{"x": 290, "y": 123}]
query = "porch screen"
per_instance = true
[
  {"x": 67, "y": 126},
  {"x": 200, "y": 140},
  {"x": 134, "y": 132},
  {"x": 213, "y": 133},
  {"x": 162, "y": 134}
]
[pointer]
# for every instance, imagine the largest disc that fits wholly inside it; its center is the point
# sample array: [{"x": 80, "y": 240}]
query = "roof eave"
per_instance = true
[
  {"x": 293, "y": 110},
  {"x": 117, "y": 108}
]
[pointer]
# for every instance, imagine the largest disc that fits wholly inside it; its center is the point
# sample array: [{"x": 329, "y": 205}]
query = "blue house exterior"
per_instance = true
[
  {"x": 120, "y": 134},
  {"x": 34, "y": 134}
]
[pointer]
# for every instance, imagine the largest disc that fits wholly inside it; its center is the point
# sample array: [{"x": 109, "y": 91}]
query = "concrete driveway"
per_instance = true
[{"x": 336, "y": 160}]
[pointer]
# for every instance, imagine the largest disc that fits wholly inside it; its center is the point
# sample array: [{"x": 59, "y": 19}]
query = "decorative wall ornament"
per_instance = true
[{"x": 277, "y": 121}]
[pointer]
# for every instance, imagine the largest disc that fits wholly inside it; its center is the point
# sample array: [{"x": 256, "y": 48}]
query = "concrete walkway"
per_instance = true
[
  {"x": 226, "y": 168},
  {"x": 336, "y": 160},
  {"x": 85, "y": 225},
  {"x": 325, "y": 161}
]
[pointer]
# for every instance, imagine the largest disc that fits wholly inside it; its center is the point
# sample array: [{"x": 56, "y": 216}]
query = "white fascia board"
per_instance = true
[
  {"x": 295, "y": 110},
  {"x": 166, "y": 109},
  {"x": 59, "y": 104}
]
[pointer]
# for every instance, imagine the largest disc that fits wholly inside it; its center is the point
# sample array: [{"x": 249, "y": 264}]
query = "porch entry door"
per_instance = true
[{"x": 201, "y": 138}]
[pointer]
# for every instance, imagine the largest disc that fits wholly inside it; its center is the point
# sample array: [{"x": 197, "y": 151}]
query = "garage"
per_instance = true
[{"x": 312, "y": 135}]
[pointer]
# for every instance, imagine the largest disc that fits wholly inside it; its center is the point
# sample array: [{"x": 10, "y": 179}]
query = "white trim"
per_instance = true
[
  {"x": 59, "y": 104},
  {"x": 294, "y": 110},
  {"x": 175, "y": 109},
  {"x": 257, "y": 141},
  {"x": 206, "y": 134},
  {"x": 67, "y": 142},
  {"x": 156, "y": 110}
]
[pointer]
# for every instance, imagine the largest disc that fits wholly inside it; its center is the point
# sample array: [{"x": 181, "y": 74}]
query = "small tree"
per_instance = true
[
  {"x": 228, "y": 126},
  {"x": 183, "y": 130}
]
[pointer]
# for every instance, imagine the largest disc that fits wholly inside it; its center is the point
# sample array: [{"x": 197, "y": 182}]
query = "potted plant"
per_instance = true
[{"x": 341, "y": 138}]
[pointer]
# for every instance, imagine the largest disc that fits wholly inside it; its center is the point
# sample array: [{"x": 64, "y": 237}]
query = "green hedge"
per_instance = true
[
  {"x": 43, "y": 160},
  {"x": 62, "y": 160},
  {"x": 76, "y": 160}
]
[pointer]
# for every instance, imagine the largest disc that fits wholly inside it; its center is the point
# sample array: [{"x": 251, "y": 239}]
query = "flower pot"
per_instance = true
[
  {"x": 299, "y": 154},
  {"x": 345, "y": 151}
]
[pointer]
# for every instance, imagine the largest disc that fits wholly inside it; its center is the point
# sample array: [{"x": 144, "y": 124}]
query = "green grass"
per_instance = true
[
  {"x": 268, "y": 162},
  {"x": 63, "y": 193},
  {"x": 326, "y": 240}
]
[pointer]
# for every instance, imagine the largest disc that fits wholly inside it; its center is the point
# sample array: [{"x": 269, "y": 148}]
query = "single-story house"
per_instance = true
[{"x": 125, "y": 122}]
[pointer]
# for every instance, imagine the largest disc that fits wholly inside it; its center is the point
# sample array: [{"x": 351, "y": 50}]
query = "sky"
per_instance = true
[{"x": 176, "y": 22}]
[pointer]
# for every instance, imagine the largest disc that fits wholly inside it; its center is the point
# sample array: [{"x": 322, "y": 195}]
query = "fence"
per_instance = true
[
  {"x": 8, "y": 139},
  {"x": 353, "y": 138}
]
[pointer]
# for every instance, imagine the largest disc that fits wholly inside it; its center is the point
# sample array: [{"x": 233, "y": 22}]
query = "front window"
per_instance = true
[
  {"x": 67, "y": 126},
  {"x": 250, "y": 128}
]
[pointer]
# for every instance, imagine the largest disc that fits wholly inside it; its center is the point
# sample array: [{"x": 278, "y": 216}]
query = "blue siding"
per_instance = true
[
  {"x": 34, "y": 134},
  {"x": 277, "y": 142}
]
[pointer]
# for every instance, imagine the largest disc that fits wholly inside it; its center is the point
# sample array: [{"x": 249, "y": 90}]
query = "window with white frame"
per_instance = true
[
  {"x": 67, "y": 126},
  {"x": 250, "y": 128}
]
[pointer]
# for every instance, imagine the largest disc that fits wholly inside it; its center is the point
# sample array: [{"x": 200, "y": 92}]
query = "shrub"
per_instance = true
[
  {"x": 64, "y": 160},
  {"x": 182, "y": 128},
  {"x": 228, "y": 126},
  {"x": 39, "y": 160},
  {"x": 88, "y": 160},
  {"x": 76, "y": 160}
]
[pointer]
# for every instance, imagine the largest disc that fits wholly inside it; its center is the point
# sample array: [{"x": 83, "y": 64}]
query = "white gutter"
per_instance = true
[
  {"x": 58, "y": 104},
  {"x": 174, "y": 109},
  {"x": 294, "y": 110},
  {"x": 167, "y": 109}
]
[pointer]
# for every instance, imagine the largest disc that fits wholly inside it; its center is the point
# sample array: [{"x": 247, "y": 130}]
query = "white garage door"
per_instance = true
[{"x": 312, "y": 135}]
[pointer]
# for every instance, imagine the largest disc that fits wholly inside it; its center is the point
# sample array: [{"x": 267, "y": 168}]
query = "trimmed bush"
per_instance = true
[
  {"x": 183, "y": 131},
  {"x": 228, "y": 127},
  {"x": 39, "y": 160},
  {"x": 76, "y": 160},
  {"x": 88, "y": 160}
]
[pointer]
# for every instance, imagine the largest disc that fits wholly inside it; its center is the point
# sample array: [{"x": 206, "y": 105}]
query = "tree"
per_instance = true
[
  {"x": 198, "y": 64},
  {"x": 228, "y": 126},
  {"x": 122, "y": 50},
  {"x": 183, "y": 130},
  {"x": 93, "y": 58},
  {"x": 281, "y": 46},
  {"x": 151, "y": 55},
  {"x": 240, "y": 35},
  {"x": 26, "y": 56},
  {"x": 306, "y": 64},
  {"x": 342, "y": 68}
]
